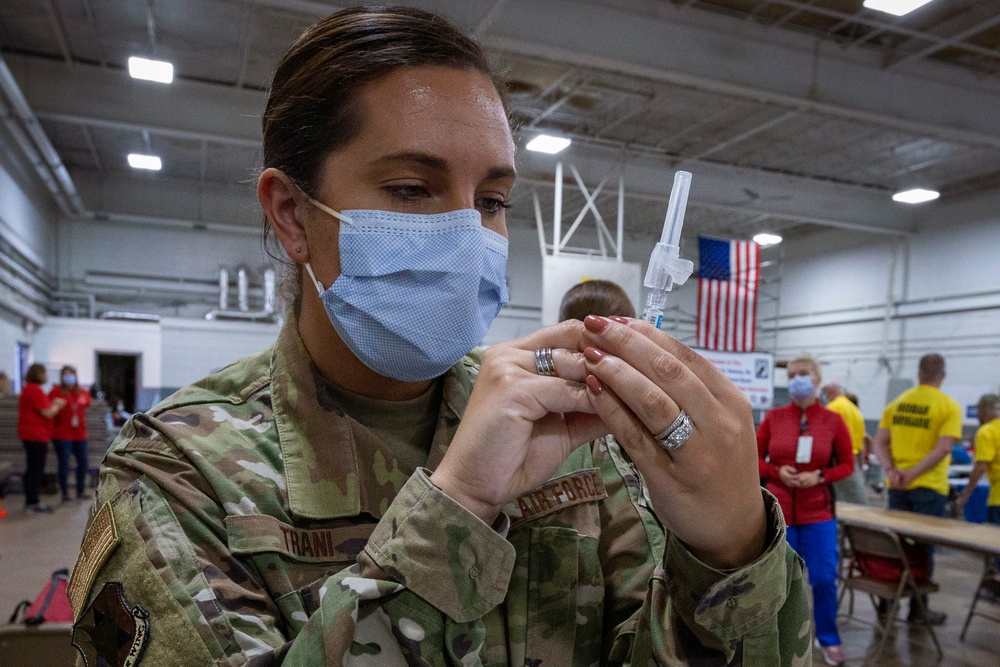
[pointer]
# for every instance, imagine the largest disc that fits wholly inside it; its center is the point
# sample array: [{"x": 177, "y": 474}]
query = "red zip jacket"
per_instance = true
[
  {"x": 71, "y": 421},
  {"x": 777, "y": 442}
]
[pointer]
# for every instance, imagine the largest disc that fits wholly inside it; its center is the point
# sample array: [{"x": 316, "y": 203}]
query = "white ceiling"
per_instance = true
[{"x": 792, "y": 115}]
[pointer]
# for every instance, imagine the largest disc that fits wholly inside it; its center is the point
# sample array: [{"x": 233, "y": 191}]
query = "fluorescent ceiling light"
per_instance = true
[
  {"x": 765, "y": 239},
  {"x": 150, "y": 70},
  {"x": 895, "y": 7},
  {"x": 916, "y": 196},
  {"x": 545, "y": 143},
  {"x": 138, "y": 161}
]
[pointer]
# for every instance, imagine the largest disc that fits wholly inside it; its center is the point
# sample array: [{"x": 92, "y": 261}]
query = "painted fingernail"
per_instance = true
[
  {"x": 595, "y": 323},
  {"x": 593, "y": 355},
  {"x": 595, "y": 386},
  {"x": 619, "y": 319}
]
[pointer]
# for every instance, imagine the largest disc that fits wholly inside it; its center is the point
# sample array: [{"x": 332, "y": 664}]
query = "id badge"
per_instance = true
[
  {"x": 74, "y": 421},
  {"x": 805, "y": 450}
]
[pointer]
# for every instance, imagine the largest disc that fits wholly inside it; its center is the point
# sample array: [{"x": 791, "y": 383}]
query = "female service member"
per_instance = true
[
  {"x": 802, "y": 449},
  {"x": 346, "y": 497}
]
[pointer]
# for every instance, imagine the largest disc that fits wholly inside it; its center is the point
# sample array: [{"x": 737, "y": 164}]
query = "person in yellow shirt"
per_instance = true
[
  {"x": 987, "y": 457},
  {"x": 850, "y": 489},
  {"x": 913, "y": 445}
]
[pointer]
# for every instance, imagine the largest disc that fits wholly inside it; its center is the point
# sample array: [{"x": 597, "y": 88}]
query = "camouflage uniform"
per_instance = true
[{"x": 251, "y": 522}]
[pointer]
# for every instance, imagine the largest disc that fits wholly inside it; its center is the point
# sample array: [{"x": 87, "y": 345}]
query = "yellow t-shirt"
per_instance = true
[
  {"x": 915, "y": 421},
  {"x": 988, "y": 450},
  {"x": 852, "y": 417}
]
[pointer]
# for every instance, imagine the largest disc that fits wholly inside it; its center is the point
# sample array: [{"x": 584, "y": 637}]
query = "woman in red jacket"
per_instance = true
[
  {"x": 70, "y": 433},
  {"x": 34, "y": 427},
  {"x": 803, "y": 448}
]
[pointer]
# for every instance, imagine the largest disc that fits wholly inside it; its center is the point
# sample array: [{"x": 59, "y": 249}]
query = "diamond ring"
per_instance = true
[{"x": 677, "y": 433}]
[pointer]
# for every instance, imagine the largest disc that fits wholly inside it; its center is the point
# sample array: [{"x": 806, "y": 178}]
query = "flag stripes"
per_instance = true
[{"x": 727, "y": 295}]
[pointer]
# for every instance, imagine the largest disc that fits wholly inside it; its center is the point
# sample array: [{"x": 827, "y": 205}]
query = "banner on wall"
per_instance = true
[{"x": 751, "y": 372}]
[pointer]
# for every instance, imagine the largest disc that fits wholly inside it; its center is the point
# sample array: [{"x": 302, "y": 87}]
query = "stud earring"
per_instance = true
[{"x": 298, "y": 249}]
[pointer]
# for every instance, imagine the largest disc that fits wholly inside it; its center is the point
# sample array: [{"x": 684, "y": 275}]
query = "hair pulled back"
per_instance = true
[{"x": 313, "y": 103}]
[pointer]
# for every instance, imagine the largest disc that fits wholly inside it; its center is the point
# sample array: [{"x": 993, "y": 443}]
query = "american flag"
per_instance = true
[{"x": 728, "y": 276}]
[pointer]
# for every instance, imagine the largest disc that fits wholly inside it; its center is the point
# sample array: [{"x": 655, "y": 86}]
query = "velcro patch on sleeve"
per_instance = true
[
  {"x": 260, "y": 533},
  {"x": 557, "y": 494},
  {"x": 98, "y": 544}
]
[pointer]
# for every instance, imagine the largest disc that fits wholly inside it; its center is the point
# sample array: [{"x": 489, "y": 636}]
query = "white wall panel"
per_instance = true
[
  {"x": 76, "y": 342},
  {"x": 193, "y": 349}
]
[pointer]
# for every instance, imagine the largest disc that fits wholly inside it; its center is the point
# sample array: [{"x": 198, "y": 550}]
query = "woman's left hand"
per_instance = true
[
  {"x": 707, "y": 491},
  {"x": 809, "y": 479}
]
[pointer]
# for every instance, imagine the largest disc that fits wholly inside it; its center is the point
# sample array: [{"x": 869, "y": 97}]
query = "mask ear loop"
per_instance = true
[
  {"x": 326, "y": 209},
  {"x": 318, "y": 284}
]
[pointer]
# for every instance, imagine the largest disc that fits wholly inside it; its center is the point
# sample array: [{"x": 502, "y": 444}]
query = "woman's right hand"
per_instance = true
[
  {"x": 59, "y": 403},
  {"x": 519, "y": 426},
  {"x": 789, "y": 476}
]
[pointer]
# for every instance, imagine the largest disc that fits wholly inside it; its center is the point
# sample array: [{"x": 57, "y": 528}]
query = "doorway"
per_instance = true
[{"x": 118, "y": 377}]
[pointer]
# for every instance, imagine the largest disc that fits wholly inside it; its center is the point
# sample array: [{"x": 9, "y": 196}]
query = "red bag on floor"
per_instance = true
[
  {"x": 51, "y": 605},
  {"x": 891, "y": 569}
]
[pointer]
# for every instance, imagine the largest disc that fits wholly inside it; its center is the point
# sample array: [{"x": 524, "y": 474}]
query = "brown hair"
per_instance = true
[
  {"x": 312, "y": 106},
  {"x": 313, "y": 102},
  {"x": 595, "y": 297},
  {"x": 930, "y": 368},
  {"x": 36, "y": 373}
]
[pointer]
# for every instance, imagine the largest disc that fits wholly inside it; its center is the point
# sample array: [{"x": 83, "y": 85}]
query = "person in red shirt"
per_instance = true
[
  {"x": 802, "y": 448},
  {"x": 34, "y": 427},
  {"x": 70, "y": 432}
]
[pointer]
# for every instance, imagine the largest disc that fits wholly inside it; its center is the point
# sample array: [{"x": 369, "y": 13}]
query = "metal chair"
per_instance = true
[
  {"x": 45, "y": 645},
  {"x": 989, "y": 582},
  {"x": 884, "y": 543}
]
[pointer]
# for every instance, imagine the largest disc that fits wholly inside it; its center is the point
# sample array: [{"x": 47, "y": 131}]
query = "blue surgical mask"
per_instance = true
[
  {"x": 69, "y": 380},
  {"x": 801, "y": 387},
  {"x": 415, "y": 292}
]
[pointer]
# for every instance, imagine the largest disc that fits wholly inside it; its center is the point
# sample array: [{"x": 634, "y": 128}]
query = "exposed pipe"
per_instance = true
[
  {"x": 243, "y": 289},
  {"x": 22, "y": 111},
  {"x": 265, "y": 314},
  {"x": 223, "y": 289}
]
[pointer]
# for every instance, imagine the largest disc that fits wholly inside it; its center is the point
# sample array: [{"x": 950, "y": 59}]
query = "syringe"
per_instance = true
[{"x": 666, "y": 268}]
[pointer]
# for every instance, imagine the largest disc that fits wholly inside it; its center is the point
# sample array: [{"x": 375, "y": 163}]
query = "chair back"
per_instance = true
[{"x": 875, "y": 541}]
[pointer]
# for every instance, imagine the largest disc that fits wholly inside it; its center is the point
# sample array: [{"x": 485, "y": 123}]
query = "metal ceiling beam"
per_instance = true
[
  {"x": 731, "y": 56},
  {"x": 954, "y": 40},
  {"x": 105, "y": 97},
  {"x": 741, "y": 59}
]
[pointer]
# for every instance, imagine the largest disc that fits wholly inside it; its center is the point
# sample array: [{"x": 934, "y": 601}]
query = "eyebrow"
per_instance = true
[{"x": 440, "y": 164}]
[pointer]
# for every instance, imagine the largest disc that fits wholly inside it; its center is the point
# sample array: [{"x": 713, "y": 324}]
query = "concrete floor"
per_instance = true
[{"x": 34, "y": 545}]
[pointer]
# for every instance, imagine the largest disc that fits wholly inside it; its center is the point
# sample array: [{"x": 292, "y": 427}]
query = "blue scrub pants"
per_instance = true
[
  {"x": 817, "y": 544},
  {"x": 76, "y": 449}
]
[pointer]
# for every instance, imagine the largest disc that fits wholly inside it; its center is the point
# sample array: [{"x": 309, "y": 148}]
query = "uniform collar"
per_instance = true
[{"x": 324, "y": 450}]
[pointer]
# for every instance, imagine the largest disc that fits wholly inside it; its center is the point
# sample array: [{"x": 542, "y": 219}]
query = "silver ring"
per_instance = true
[
  {"x": 677, "y": 433},
  {"x": 544, "y": 362}
]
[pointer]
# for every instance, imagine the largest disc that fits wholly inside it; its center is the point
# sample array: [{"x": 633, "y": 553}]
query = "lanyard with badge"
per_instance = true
[
  {"x": 74, "y": 420},
  {"x": 804, "y": 451}
]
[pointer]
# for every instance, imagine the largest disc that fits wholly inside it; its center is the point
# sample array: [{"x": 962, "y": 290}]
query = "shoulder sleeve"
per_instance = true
[
  {"x": 952, "y": 425},
  {"x": 758, "y": 613},
  {"x": 845, "y": 454},
  {"x": 35, "y": 398},
  {"x": 887, "y": 415},
  {"x": 430, "y": 567},
  {"x": 765, "y": 468},
  {"x": 987, "y": 444},
  {"x": 686, "y": 612}
]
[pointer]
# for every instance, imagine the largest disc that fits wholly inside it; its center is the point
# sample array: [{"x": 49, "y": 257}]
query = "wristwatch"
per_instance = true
[{"x": 822, "y": 477}]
